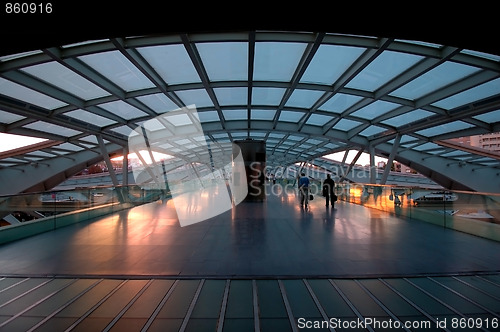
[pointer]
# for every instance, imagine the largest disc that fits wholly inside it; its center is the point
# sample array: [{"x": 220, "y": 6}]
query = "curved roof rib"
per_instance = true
[{"x": 306, "y": 94}]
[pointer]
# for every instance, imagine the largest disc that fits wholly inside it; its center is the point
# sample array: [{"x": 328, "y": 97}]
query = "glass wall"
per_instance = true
[{"x": 470, "y": 212}]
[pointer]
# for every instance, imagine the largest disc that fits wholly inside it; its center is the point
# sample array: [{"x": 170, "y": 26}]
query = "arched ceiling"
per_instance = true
[{"x": 305, "y": 94}]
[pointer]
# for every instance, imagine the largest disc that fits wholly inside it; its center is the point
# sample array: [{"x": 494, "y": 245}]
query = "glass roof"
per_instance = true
[{"x": 308, "y": 95}]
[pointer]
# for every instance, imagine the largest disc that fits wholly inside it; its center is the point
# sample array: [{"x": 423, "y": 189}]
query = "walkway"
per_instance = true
[
  {"x": 259, "y": 267},
  {"x": 275, "y": 238}
]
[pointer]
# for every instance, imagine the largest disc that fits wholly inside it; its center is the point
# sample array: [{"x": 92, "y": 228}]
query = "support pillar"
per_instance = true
[
  {"x": 373, "y": 167},
  {"x": 111, "y": 171},
  {"x": 254, "y": 156},
  {"x": 387, "y": 169}
]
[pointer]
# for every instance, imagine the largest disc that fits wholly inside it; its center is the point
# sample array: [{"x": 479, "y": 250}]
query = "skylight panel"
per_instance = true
[
  {"x": 9, "y": 118},
  {"x": 225, "y": 61},
  {"x": 209, "y": 116},
  {"x": 198, "y": 97},
  {"x": 263, "y": 114},
  {"x": 67, "y": 80},
  {"x": 490, "y": 117},
  {"x": 179, "y": 120},
  {"x": 407, "y": 117},
  {"x": 172, "y": 63},
  {"x": 482, "y": 55},
  {"x": 444, "y": 128},
  {"x": 434, "y": 80},
  {"x": 372, "y": 130},
  {"x": 472, "y": 95},
  {"x": 318, "y": 119},
  {"x": 346, "y": 124},
  {"x": 267, "y": 96},
  {"x": 303, "y": 98},
  {"x": 90, "y": 118},
  {"x": 329, "y": 63},
  {"x": 124, "y": 130},
  {"x": 117, "y": 68},
  {"x": 123, "y": 109},
  {"x": 276, "y": 61},
  {"x": 68, "y": 146},
  {"x": 384, "y": 68},
  {"x": 26, "y": 95},
  {"x": 235, "y": 114},
  {"x": 339, "y": 103},
  {"x": 427, "y": 146},
  {"x": 158, "y": 103},
  {"x": 52, "y": 129},
  {"x": 289, "y": 116},
  {"x": 375, "y": 109},
  {"x": 232, "y": 96}
]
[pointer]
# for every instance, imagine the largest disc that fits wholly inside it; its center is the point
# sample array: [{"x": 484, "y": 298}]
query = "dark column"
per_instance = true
[{"x": 254, "y": 155}]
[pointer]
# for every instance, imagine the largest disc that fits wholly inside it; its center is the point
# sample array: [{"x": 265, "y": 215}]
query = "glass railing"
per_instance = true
[
  {"x": 470, "y": 212},
  {"x": 21, "y": 208}
]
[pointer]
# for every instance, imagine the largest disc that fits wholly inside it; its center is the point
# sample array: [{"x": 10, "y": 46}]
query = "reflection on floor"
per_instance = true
[
  {"x": 269, "y": 266},
  {"x": 272, "y": 238}
]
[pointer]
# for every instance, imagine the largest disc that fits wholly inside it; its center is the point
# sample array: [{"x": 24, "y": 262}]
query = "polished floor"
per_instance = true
[
  {"x": 274, "y": 305},
  {"x": 262, "y": 266},
  {"x": 274, "y": 238}
]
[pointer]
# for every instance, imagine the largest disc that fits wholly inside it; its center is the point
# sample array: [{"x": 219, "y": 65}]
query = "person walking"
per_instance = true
[
  {"x": 328, "y": 187},
  {"x": 304, "y": 189}
]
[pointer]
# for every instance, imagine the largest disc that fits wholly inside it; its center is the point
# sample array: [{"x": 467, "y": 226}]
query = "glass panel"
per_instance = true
[
  {"x": 209, "y": 116},
  {"x": 472, "y": 95},
  {"x": 444, "y": 128},
  {"x": 199, "y": 98},
  {"x": 276, "y": 61},
  {"x": 303, "y": 98},
  {"x": 277, "y": 135},
  {"x": 384, "y": 68},
  {"x": 225, "y": 61},
  {"x": 235, "y": 114},
  {"x": 116, "y": 67},
  {"x": 372, "y": 130},
  {"x": 427, "y": 146},
  {"x": 339, "y": 103},
  {"x": 65, "y": 79},
  {"x": 9, "y": 118},
  {"x": 329, "y": 62},
  {"x": 124, "y": 130},
  {"x": 52, "y": 129},
  {"x": 123, "y": 109},
  {"x": 26, "y": 95},
  {"x": 263, "y": 114},
  {"x": 68, "y": 146},
  {"x": 433, "y": 80},
  {"x": 158, "y": 103},
  {"x": 232, "y": 96},
  {"x": 90, "y": 118},
  {"x": 289, "y": 116},
  {"x": 179, "y": 119},
  {"x": 375, "y": 109},
  {"x": 482, "y": 55},
  {"x": 318, "y": 119},
  {"x": 267, "y": 96},
  {"x": 490, "y": 117},
  {"x": 41, "y": 154},
  {"x": 346, "y": 124},
  {"x": 172, "y": 63},
  {"x": 295, "y": 138},
  {"x": 408, "y": 117}
]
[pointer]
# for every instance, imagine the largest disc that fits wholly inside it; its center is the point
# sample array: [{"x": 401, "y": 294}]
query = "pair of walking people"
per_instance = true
[{"x": 328, "y": 190}]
